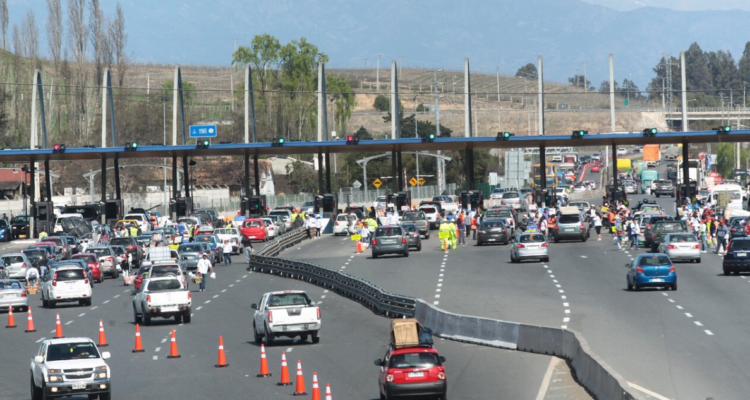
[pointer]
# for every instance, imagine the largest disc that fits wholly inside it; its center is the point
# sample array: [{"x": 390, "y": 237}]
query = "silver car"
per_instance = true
[
  {"x": 529, "y": 246},
  {"x": 681, "y": 246},
  {"x": 514, "y": 199},
  {"x": 16, "y": 265},
  {"x": 190, "y": 253},
  {"x": 13, "y": 293}
]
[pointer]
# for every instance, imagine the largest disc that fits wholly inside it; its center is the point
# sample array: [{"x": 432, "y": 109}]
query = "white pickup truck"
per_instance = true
[
  {"x": 448, "y": 205},
  {"x": 164, "y": 297},
  {"x": 290, "y": 313},
  {"x": 70, "y": 367}
]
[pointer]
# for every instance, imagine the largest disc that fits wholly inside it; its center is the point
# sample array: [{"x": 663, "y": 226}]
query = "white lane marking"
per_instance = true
[
  {"x": 567, "y": 311},
  {"x": 232, "y": 285},
  {"x": 564, "y": 326},
  {"x": 69, "y": 322},
  {"x": 94, "y": 307},
  {"x": 551, "y": 276},
  {"x": 744, "y": 277},
  {"x": 346, "y": 263},
  {"x": 439, "y": 284},
  {"x": 216, "y": 295},
  {"x": 564, "y": 297},
  {"x": 665, "y": 295},
  {"x": 546, "y": 266},
  {"x": 648, "y": 392},
  {"x": 709, "y": 333},
  {"x": 558, "y": 286},
  {"x": 105, "y": 302},
  {"x": 323, "y": 296},
  {"x": 127, "y": 291},
  {"x": 437, "y": 290},
  {"x": 554, "y": 280},
  {"x": 158, "y": 349},
  {"x": 440, "y": 280},
  {"x": 155, "y": 358},
  {"x": 164, "y": 340},
  {"x": 566, "y": 304},
  {"x": 223, "y": 290},
  {"x": 435, "y": 302},
  {"x": 697, "y": 323},
  {"x": 687, "y": 314},
  {"x": 81, "y": 314},
  {"x": 40, "y": 340},
  {"x": 547, "y": 378},
  {"x": 442, "y": 270},
  {"x": 679, "y": 307},
  {"x": 325, "y": 291},
  {"x": 561, "y": 291},
  {"x": 440, "y": 275},
  {"x": 244, "y": 276},
  {"x": 237, "y": 281},
  {"x": 198, "y": 308},
  {"x": 437, "y": 296},
  {"x": 549, "y": 271},
  {"x": 584, "y": 257},
  {"x": 670, "y": 300},
  {"x": 52, "y": 332},
  {"x": 116, "y": 296},
  {"x": 207, "y": 301},
  {"x": 289, "y": 350},
  {"x": 566, "y": 319}
]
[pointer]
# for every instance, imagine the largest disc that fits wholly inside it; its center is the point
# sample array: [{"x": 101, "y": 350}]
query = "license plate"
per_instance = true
[
  {"x": 491, "y": 240},
  {"x": 9, "y": 296},
  {"x": 389, "y": 241},
  {"x": 169, "y": 309},
  {"x": 22, "y": 236},
  {"x": 741, "y": 254},
  {"x": 416, "y": 374},
  {"x": 252, "y": 237},
  {"x": 657, "y": 280},
  {"x": 80, "y": 385},
  {"x": 569, "y": 230},
  {"x": 294, "y": 328}
]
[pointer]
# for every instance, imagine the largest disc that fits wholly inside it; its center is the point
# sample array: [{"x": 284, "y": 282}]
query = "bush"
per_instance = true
[{"x": 382, "y": 103}]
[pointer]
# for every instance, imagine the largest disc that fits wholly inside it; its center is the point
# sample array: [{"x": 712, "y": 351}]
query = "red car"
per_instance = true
[
  {"x": 595, "y": 168},
  {"x": 138, "y": 281},
  {"x": 93, "y": 264},
  {"x": 255, "y": 229},
  {"x": 412, "y": 372}
]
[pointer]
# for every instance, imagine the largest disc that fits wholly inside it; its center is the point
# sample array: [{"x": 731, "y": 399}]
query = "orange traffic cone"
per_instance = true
[
  {"x": 58, "y": 328},
  {"x": 138, "y": 344},
  {"x": 173, "y": 348},
  {"x": 102, "y": 336},
  {"x": 11, "y": 320},
  {"x": 263, "y": 363},
  {"x": 359, "y": 246},
  {"x": 316, "y": 389},
  {"x": 300, "y": 390},
  {"x": 222, "y": 357},
  {"x": 445, "y": 245},
  {"x": 284, "y": 371},
  {"x": 328, "y": 392},
  {"x": 30, "y": 323}
]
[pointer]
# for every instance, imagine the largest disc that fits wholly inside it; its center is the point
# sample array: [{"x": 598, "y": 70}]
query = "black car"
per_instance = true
[
  {"x": 389, "y": 240},
  {"x": 19, "y": 227},
  {"x": 493, "y": 231},
  {"x": 647, "y": 225},
  {"x": 736, "y": 227},
  {"x": 737, "y": 258},
  {"x": 38, "y": 257},
  {"x": 413, "y": 238}
]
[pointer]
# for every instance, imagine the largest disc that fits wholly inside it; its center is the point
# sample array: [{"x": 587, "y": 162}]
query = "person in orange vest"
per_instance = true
[
  {"x": 551, "y": 226},
  {"x": 612, "y": 220},
  {"x": 474, "y": 226}
]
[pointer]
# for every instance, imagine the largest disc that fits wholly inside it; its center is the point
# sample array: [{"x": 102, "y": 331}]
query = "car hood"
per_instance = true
[
  {"x": 74, "y": 364},
  {"x": 19, "y": 224}
]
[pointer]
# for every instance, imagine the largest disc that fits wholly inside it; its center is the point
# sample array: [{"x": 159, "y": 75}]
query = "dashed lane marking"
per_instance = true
[
  {"x": 198, "y": 308},
  {"x": 69, "y": 322},
  {"x": 698, "y": 323},
  {"x": 155, "y": 358},
  {"x": 94, "y": 307},
  {"x": 435, "y": 302},
  {"x": 232, "y": 285},
  {"x": 164, "y": 340},
  {"x": 679, "y": 307},
  {"x": 116, "y": 296},
  {"x": 105, "y": 302},
  {"x": 687, "y": 314},
  {"x": 216, "y": 295},
  {"x": 223, "y": 290},
  {"x": 289, "y": 350},
  {"x": 81, "y": 314},
  {"x": 40, "y": 340},
  {"x": 709, "y": 333},
  {"x": 158, "y": 349},
  {"x": 207, "y": 301}
]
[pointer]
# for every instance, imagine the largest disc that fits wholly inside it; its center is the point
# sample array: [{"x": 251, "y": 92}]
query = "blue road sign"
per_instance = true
[{"x": 202, "y": 131}]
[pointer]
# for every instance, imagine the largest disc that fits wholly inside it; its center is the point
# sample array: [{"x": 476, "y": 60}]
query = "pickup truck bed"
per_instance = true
[
  {"x": 289, "y": 313},
  {"x": 162, "y": 298}
]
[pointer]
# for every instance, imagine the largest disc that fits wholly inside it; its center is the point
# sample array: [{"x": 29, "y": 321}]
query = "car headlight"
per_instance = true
[{"x": 101, "y": 372}]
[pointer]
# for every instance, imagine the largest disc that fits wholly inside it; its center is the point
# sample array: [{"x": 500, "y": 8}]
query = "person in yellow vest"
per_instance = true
[
  {"x": 133, "y": 231},
  {"x": 454, "y": 233},
  {"x": 192, "y": 232},
  {"x": 229, "y": 223},
  {"x": 444, "y": 230},
  {"x": 294, "y": 216},
  {"x": 43, "y": 235}
]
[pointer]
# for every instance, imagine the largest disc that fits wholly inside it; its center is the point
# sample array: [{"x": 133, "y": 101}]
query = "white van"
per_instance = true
[{"x": 58, "y": 218}]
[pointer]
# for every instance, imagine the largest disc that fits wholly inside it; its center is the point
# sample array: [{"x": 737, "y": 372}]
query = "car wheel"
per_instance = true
[
  {"x": 657, "y": 195},
  {"x": 186, "y": 317},
  {"x": 146, "y": 319},
  {"x": 315, "y": 337},
  {"x": 136, "y": 318},
  {"x": 674, "y": 287},
  {"x": 258, "y": 338},
  {"x": 406, "y": 253},
  {"x": 45, "y": 303},
  {"x": 629, "y": 286},
  {"x": 269, "y": 338},
  {"x": 117, "y": 273},
  {"x": 546, "y": 259},
  {"x": 52, "y": 304},
  {"x": 698, "y": 261},
  {"x": 726, "y": 272},
  {"x": 44, "y": 395},
  {"x": 303, "y": 337},
  {"x": 636, "y": 287},
  {"x": 427, "y": 236},
  {"x": 178, "y": 318},
  {"x": 374, "y": 255},
  {"x": 105, "y": 396},
  {"x": 35, "y": 392},
  {"x": 419, "y": 248}
]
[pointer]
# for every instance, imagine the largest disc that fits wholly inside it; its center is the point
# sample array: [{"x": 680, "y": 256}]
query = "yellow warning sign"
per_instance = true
[
  {"x": 413, "y": 181},
  {"x": 377, "y": 182}
]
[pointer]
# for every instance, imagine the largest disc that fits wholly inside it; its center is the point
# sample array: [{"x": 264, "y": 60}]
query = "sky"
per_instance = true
[{"x": 680, "y": 5}]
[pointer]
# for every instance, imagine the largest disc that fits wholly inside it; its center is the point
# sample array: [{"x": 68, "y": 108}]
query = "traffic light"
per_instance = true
[
  {"x": 351, "y": 140},
  {"x": 255, "y": 206},
  {"x": 429, "y": 138},
  {"x": 504, "y": 135},
  {"x": 548, "y": 198},
  {"x": 579, "y": 134},
  {"x": 278, "y": 142},
  {"x": 723, "y": 130},
  {"x": 133, "y": 146},
  {"x": 58, "y": 148},
  {"x": 650, "y": 132},
  {"x": 203, "y": 144}
]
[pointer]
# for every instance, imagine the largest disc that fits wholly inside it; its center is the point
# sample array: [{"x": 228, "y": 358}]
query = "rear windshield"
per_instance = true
[
  {"x": 569, "y": 219},
  {"x": 205, "y": 239},
  {"x": 118, "y": 250},
  {"x": 491, "y": 224},
  {"x": 121, "y": 241},
  {"x": 682, "y": 238},
  {"x": 414, "y": 360},
  {"x": 70, "y": 275},
  {"x": 654, "y": 260},
  {"x": 413, "y": 216},
  {"x": 9, "y": 285},
  {"x": 429, "y": 210},
  {"x": 58, "y": 241},
  {"x": 12, "y": 260},
  {"x": 739, "y": 245},
  {"x": 252, "y": 224},
  {"x": 288, "y": 299},
  {"x": 531, "y": 238},
  {"x": 388, "y": 231},
  {"x": 510, "y": 195},
  {"x": 191, "y": 248},
  {"x": 70, "y": 240},
  {"x": 101, "y": 252},
  {"x": 669, "y": 226},
  {"x": 164, "y": 270},
  {"x": 134, "y": 217},
  {"x": 88, "y": 259},
  {"x": 409, "y": 228},
  {"x": 498, "y": 213},
  {"x": 34, "y": 253},
  {"x": 168, "y": 284}
]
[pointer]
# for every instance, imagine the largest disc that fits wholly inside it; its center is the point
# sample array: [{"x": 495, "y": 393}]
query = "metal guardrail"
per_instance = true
[{"x": 359, "y": 290}]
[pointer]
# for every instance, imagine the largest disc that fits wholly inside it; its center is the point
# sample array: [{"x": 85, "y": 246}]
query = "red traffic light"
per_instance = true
[
  {"x": 351, "y": 140},
  {"x": 56, "y": 147}
]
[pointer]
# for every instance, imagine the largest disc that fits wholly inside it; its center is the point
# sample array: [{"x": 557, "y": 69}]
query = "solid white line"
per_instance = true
[
  {"x": 105, "y": 302},
  {"x": 697, "y": 323},
  {"x": 223, "y": 290},
  {"x": 547, "y": 378},
  {"x": 687, "y": 314},
  {"x": 709, "y": 333},
  {"x": 158, "y": 349},
  {"x": 81, "y": 314},
  {"x": 648, "y": 392},
  {"x": 69, "y": 322},
  {"x": 40, "y": 340}
]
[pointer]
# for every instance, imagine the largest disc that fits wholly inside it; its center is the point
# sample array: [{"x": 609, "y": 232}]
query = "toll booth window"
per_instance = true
[
  {"x": 110, "y": 210},
  {"x": 42, "y": 213},
  {"x": 181, "y": 208},
  {"x": 328, "y": 204}
]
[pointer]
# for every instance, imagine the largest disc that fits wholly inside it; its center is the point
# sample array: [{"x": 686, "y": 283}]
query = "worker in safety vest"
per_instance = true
[
  {"x": 294, "y": 216},
  {"x": 444, "y": 231},
  {"x": 192, "y": 232},
  {"x": 454, "y": 232},
  {"x": 133, "y": 231}
]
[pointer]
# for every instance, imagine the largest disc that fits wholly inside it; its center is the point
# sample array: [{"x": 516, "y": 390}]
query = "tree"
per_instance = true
[
  {"x": 55, "y": 32},
  {"x": 382, "y": 103},
  {"x": 188, "y": 90},
  {"x": 263, "y": 56},
  {"x": 77, "y": 40},
  {"x": 118, "y": 39},
  {"x": 578, "y": 81},
  {"x": 628, "y": 89},
  {"x": 743, "y": 67},
  {"x": 99, "y": 39},
  {"x": 340, "y": 91},
  {"x": 302, "y": 176},
  {"x": 4, "y": 22},
  {"x": 697, "y": 73},
  {"x": 604, "y": 87},
  {"x": 528, "y": 71},
  {"x": 725, "y": 159},
  {"x": 724, "y": 74}
]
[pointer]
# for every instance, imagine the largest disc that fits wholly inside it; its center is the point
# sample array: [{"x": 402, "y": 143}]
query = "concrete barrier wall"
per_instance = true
[{"x": 591, "y": 371}]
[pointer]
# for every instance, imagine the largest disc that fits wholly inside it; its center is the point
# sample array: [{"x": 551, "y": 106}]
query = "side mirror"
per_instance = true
[
  {"x": 254, "y": 306},
  {"x": 106, "y": 355},
  {"x": 38, "y": 359},
  {"x": 442, "y": 359},
  {"x": 378, "y": 362}
]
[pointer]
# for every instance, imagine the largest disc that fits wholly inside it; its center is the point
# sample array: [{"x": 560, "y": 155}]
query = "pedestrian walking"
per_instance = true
[
  {"x": 318, "y": 226},
  {"x": 204, "y": 266},
  {"x": 227, "y": 252},
  {"x": 635, "y": 232},
  {"x": 474, "y": 226},
  {"x": 461, "y": 226},
  {"x": 598, "y": 226},
  {"x": 544, "y": 227},
  {"x": 721, "y": 234},
  {"x": 703, "y": 232}
]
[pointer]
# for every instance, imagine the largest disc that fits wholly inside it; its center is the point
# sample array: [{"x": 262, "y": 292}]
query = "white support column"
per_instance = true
[
  {"x": 685, "y": 126},
  {"x": 467, "y": 100},
  {"x": 394, "y": 101},
  {"x": 321, "y": 101},
  {"x": 104, "y": 107},
  {"x": 612, "y": 91},
  {"x": 247, "y": 104},
  {"x": 175, "y": 100},
  {"x": 540, "y": 103}
]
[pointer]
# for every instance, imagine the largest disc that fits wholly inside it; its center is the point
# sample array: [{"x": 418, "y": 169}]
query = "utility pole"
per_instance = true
[
  {"x": 231, "y": 89},
  {"x": 235, "y": 44},
  {"x": 585, "y": 79},
  {"x": 148, "y": 83},
  {"x": 497, "y": 77},
  {"x": 365, "y": 62},
  {"x": 416, "y": 135},
  {"x": 440, "y": 164},
  {"x": 377, "y": 73},
  {"x": 576, "y": 77}
]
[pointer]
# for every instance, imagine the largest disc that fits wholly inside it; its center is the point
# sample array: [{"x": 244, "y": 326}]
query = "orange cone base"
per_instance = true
[
  {"x": 177, "y": 356},
  {"x": 264, "y": 375},
  {"x": 11, "y": 326},
  {"x": 300, "y": 393},
  {"x": 222, "y": 366},
  {"x": 139, "y": 351},
  {"x": 102, "y": 345},
  {"x": 284, "y": 384},
  {"x": 29, "y": 331}
]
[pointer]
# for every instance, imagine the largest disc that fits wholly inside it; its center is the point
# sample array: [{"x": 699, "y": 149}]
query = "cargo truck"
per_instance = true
[
  {"x": 624, "y": 165},
  {"x": 652, "y": 155}
]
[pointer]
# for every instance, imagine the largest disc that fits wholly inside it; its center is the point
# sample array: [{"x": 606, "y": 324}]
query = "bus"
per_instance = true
[{"x": 551, "y": 174}]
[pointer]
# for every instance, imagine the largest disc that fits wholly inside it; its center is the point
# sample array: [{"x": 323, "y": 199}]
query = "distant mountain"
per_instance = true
[
  {"x": 431, "y": 33},
  {"x": 678, "y": 5}
]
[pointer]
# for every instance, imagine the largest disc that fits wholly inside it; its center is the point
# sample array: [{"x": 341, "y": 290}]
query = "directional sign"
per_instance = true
[
  {"x": 413, "y": 181},
  {"x": 202, "y": 131},
  {"x": 421, "y": 181},
  {"x": 377, "y": 182},
  {"x": 356, "y": 184}
]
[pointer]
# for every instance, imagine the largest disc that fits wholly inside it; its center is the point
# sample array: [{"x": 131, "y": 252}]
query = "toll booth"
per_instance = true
[
  {"x": 472, "y": 199},
  {"x": 181, "y": 207},
  {"x": 686, "y": 191},
  {"x": 390, "y": 198},
  {"x": 317, "y": 204},
  {"x": 619, "y": 195},
  {"x": 401, "y": 200},
  {"x": 44, "y": 217},
  {"x": 254, "y": 206},
  {"x": 330, "y": 205},
  {"x": 113, "y": 211}
]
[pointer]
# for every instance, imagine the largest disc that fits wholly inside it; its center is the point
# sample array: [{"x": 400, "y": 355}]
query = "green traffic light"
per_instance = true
[
  {"x": 653, "y": 131},
  {"x": 727, "y": 129},
  {"x": 281, "y": 140},
  {"x": 432, "y": 136},
  {"x": 506, "y": 134},
  {"x": 135, "y": 145}
]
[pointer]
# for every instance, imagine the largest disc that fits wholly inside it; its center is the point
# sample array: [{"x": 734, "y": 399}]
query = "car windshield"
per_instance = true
[
  {"x": 569, "y": 219},
  {"x": 409, "y": 227},
  {"x": 69, "y": 274},
  {"x": 533, "y": 238},
  {"x": 20, "y": 219},
  {"x": 650, "y": 261},
  {"x": 288, "y": 299},
  {"x": 388, "y": 231},
  {"x": 492, "y": 224},
  {"x": 12, "y": 260},
  {"x": 429, "y": 210},
  {"x": 510, "y": 195},
  {"x": 413, "y": 216},
  {"x": 736, "y": 245},
  {"x": 10, "y": 285},
  {"x": 669, "y": 226},
  {"x": 165, "y": 270},
  {"x": 414, "y": 360},
  {"x": 682, "y": 238},
  {"x": 71, "y": 351},
  {"x": 164, "y": 284}
]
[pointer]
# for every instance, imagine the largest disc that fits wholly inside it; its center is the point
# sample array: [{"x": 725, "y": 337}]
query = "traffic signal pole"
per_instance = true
[
  {"x": 543, "y": 171},
  {"x": 257, "y": 175},
  {"x": 614, "y": 170}
]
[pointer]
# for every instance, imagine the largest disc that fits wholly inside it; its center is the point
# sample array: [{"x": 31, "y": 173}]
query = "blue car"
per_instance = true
[
  {"x": 651, "y": 270},
  {"x": 213, "y": 242},
  {"x": 5, "y": 233}
]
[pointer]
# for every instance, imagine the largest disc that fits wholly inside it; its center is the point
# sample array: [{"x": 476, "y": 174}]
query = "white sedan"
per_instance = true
[
  {"x": 579, "y": 188},
  {"x": 232, "y": 235},
  {"x": 622, "y": 151}
]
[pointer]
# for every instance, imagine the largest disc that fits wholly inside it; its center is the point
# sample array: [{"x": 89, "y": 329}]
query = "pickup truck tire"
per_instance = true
[
  {"x": 186, "y": 317},
  {"x": 427, "y": 236},
  {"x": 138, "y": 319},
  {"x": 258, "y": 338},
  {"x": 657, "y": 195},
  {"x": 45, "y": 303},
  {"x": 315, "y": 337},
  {"x": 303, "y": 337},
  {"x": 52, "y": 304},
  {"x": 36, "y": 393},
  {"x": 146, "y": 319},
  {"x": 105, "y": 396},
  {"x": 269, "y": 337},
  {"x": 178, "y": 318},
  {"x": 44, "y": 392},
  {"x": 672, "y": 195}
]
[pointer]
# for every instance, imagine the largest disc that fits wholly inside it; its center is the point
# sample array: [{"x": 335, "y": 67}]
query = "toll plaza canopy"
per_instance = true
[{"x": 341, "y": 146}]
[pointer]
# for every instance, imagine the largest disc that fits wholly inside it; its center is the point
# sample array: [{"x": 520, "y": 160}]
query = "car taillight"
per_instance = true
[
  {"x": 520, "y": 246},
  {"x": 441, "y": 376},
  {"x": 270, "y": 317},
  {"x": 336, "y": 223},
  {"x": 374, "y": 242},
  {"x": 544, "y": 245},
  {"x": 403, "y": 240},
  {"x": 696, "y": 246},
  {"x": 23, "y": 294},
  {"x": 389, "y": 378},
  {"x": 112, "y": 260},
  {"x": 583, "y": 226},
  {"x": 148, "y": 298},
  {"x": 639, "y": 270},
  {"x": 23, "y": 265},
  {"x": 54, "y": 280},
  {"x": 734, "y": 230},
  {"x": 131, "y": 247},
  {"x": 648, "y": 226},
  {"x": 671, "y": 247},
  {"x": 86, "y": 281},
  {"x": 671, "y": 268},
  {"x": 318, "y": 313}
]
